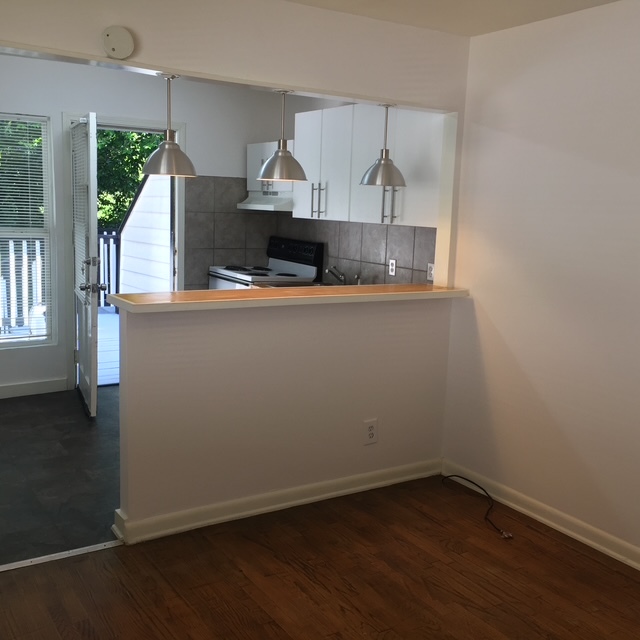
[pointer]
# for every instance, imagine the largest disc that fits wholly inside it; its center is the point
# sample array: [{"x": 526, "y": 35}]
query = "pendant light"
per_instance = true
[
  {"x": 282, "y": 166},
  {"x": 383, "y": 172},
  {"x": 168, "y": 159}
]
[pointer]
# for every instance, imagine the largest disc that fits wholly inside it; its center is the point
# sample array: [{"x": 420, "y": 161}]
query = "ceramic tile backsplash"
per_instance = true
[
  {"x": 218, "y": 233},
  {"x": 350, "y": 240},
  {"x": 424, "y": 249},
  {"x": 400, "y": 244},
  {"x": 199, "y": 194}
]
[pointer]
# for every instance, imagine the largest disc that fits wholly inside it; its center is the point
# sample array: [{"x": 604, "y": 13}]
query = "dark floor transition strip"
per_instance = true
[{"x": 59, "y": 473}]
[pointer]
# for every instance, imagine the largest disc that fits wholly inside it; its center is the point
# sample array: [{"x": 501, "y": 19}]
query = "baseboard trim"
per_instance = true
[
  {"x": 32, "y": 388},
  {"x": 132, "y": 531},
  {"x": 577, "y": 529}
]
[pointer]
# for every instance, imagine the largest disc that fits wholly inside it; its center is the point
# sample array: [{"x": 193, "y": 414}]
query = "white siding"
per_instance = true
[{"x": 145, "y": 244}]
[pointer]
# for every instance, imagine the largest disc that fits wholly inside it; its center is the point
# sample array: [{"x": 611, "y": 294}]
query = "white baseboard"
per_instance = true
[
  {"x": 132, "y": 531},
  {"x": 33, "y": 388},
  {"x": 596, "y": 538}
]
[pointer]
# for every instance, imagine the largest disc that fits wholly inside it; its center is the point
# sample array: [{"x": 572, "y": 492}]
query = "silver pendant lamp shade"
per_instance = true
[
  {"x": 383, "y": 172},
  {"x": 282, "y": 166},
  {"x": 168, "y": 159}
]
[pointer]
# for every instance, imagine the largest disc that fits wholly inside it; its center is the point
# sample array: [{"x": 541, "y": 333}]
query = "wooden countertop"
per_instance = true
[{"x": 202, "y": 300}]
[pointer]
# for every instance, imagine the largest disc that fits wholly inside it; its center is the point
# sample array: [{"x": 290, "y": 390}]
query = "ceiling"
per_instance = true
[{"x": 460, "y": 17}]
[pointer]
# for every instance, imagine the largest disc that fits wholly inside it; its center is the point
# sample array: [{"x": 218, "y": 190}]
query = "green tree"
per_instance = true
[{"x": 121, "y": 157}]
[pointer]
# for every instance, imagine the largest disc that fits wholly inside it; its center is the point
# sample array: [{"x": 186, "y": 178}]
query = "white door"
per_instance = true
[{"x": 86, "y": 261}]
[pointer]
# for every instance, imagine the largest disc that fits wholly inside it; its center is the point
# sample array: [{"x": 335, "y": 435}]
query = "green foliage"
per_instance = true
[{"x": 121, "y": 157}]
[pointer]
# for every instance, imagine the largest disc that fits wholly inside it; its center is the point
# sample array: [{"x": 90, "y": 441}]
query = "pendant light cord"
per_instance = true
[
  {"x": 169, "y": 78},
  {"x": 386, "y": 123},
  {"x": 284, "y": 93}
]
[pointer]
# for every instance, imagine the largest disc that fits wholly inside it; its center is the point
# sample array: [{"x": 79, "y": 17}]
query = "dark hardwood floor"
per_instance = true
[{"x": 411, "y": 561}]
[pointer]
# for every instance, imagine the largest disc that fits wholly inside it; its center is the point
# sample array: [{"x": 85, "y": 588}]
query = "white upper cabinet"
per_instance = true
[
  {"x": 368, "y": 140},
  {"x": 323, "y": 148},
  {"x": 257, "y": 154},
  {"x": 418, "y": 153},
  {"x": 422, "y": 145},
  {"x": 336, "y": 146}
]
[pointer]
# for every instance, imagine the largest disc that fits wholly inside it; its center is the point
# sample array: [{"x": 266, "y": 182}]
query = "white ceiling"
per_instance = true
[{"x": 460, "y": 17}]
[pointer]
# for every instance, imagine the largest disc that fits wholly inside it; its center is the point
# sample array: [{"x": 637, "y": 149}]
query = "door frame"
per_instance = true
[{"x": 126, "y": 124}]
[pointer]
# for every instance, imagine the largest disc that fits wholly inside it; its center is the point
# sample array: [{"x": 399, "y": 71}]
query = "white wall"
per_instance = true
[
  {"x": 220, "y": 121},
  {"x": 543, "y": 398},
  {"x": 269, "y": 43},
  {"x": 218, "y": 420},
  {"x": 263, "y": 42}
]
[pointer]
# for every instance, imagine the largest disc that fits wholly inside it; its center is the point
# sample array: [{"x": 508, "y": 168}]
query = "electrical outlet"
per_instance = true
[
  {"x": 370, "y": 431},
  {"x": 430, "y": 271},
  {"x": 392, "y": 267}
]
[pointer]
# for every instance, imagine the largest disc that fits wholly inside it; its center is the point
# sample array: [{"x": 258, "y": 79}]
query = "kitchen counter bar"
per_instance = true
[{"x": 278, "y": 296}]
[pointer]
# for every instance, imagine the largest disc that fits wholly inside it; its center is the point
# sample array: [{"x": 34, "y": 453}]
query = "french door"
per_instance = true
[{"x": 86, "y": 260}]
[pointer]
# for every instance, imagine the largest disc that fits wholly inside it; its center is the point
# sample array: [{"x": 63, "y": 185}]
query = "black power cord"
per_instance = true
[{"x": 505, "y": 534}]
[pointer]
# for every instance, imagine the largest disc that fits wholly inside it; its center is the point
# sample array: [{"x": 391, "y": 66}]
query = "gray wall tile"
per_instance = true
[
  {"x": 424, "y": 250},
  {"x": 230, "y": 231},
  {"x": 350, "y": 243},
  {"x": 259, "y": 226},
  {"x": 374, "y": 243},
  {"x": 296, "y": 228},
  {"x": 223, "y": 257},
  {"x": 419, "y": 277},
  {"x": 400, "y": 242},
  {"x": 198, "y": 230},
  {"x": 256, "y": 257},
  {"x": 372, "y": 273},
  {"x": 227, "y": 193},
  {"x": 403, "y": 276},
  {"x": 199, "y": 193},
  {"x": 196, "y": 267}
]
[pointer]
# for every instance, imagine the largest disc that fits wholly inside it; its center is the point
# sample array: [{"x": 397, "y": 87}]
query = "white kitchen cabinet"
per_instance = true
[
  {"x": 323, "y": 148},
  {"x": 421, "y": 145},
  {"x": 367, "y": 141},
  {"x": 257, "y": 154}
]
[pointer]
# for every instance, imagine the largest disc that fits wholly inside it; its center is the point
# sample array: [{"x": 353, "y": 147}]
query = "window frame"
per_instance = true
[{"x": 46, "y": 233}]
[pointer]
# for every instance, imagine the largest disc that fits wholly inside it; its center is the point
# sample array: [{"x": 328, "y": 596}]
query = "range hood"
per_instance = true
[{"x": 267, "y": 201}]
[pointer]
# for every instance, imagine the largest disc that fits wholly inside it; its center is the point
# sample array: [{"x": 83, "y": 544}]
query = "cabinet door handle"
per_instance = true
[
  {"x": 320, "y": 190},
  {"x": 383, "y": 215},
  {"x": 313, "y": 190},
  {"x": 393, "y": 204}
]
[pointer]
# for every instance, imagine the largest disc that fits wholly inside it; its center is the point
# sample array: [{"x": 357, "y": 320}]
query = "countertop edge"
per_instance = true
[{"x": 153, "y": 303}]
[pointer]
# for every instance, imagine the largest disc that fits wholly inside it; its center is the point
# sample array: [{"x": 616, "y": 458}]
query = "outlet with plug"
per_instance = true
[{"x": 370, "y": 432}]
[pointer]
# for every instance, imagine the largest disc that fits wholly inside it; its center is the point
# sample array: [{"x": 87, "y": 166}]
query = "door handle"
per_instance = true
[{"x": 94, "y": 288}]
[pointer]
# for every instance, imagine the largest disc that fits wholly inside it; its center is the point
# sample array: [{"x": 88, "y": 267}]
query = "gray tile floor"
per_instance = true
[{"x": 59, "y": 473}]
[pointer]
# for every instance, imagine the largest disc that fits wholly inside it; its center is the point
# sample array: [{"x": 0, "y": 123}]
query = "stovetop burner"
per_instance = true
[{"x": 289, "y": 260}]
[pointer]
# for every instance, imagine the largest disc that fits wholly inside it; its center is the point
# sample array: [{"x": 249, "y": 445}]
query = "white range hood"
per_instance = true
[{"x": 266, "y": 201}]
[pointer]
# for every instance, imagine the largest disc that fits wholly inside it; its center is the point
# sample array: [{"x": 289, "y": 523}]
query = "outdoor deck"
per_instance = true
[{"x": 108, "y": 346}]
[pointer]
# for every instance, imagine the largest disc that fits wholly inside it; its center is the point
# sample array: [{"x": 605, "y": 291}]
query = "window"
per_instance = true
[{"x": 25, "y": 221}]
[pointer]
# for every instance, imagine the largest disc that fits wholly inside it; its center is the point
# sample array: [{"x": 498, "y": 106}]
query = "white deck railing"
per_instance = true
[
  {"x": 23, "y": 282},
  {"x": 109, "y": 254},
  {"x": 22, "y": 287}
]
